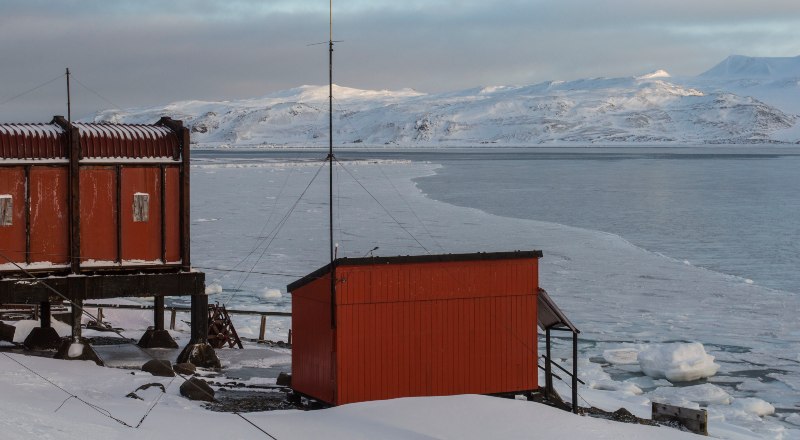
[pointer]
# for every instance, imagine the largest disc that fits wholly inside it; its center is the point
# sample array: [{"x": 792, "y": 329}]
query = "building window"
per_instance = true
[
  {"x": 6, "y": 210},
  {"x": 141, "y": 207}
]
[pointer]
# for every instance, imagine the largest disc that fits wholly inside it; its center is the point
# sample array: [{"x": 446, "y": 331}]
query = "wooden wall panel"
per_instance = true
[
  {"x": 49, "y": 215},
  {"x": 141, "y": 240},
  {"x": 98, "y": 192},
  {"x": 12, "y": 237}
]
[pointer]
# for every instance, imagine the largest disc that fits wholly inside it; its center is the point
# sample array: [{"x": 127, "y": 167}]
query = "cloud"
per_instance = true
[{"x": 148, "y": 52}]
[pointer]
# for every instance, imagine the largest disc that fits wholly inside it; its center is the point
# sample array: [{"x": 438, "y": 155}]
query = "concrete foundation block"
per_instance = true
[
  {"x": 200, "y": 354},
  {"x": 153, "y": 338}
]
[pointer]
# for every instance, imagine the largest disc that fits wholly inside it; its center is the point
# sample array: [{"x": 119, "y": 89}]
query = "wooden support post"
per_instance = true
[
  {"x": 75, "y": 200},
  {"x": 290, "y": 337},
  {"x": 158, "y": 312},
  {"x": 76, "y": 314},
  {"x": 36, "y": 312},
  {"x": 44, "y": 314},
  {"x": 100, "y": 316},
  {"x": 172, "y": 316},
  {"x": 199, "y": 319},
  {"x": 263, "y": 329},
  {"x": 575, "y": 373}
]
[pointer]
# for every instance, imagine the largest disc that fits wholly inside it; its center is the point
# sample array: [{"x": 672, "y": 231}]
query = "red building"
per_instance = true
[
  {"x": 416, "y": 326},
  {"x": 100, "y": 211}
]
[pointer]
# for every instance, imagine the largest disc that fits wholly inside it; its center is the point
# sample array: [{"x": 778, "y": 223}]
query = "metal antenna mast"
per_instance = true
[
  {"x": 69, "y": 105},
  {"x": 330, "y": 160}
]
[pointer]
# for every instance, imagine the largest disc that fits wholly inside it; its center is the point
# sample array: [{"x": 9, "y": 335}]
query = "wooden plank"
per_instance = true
[{"x": 694, "y": 420}]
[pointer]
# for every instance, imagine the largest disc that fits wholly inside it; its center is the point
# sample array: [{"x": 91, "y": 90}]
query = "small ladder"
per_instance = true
[{"x": 220, "y": 328}]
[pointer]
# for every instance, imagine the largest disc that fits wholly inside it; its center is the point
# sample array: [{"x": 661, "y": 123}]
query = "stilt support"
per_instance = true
[
  {"x": 45, "y": 336},
  {"x": 157, "y": 336},
  {"x": 199, "y": 352}
]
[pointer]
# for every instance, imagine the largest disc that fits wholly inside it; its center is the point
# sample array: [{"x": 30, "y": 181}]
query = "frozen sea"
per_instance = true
[{"x": 641, "y": 246}]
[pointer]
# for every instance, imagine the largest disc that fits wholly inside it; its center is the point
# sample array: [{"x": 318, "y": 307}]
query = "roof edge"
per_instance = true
[{"x": 405, "y": 259}]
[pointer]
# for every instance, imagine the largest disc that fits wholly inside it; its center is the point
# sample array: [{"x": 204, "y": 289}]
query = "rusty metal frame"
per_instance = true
[
  {"x": 27, "y": 214},
  {"x": 163, "y": 182},
  {"x": 118, "y": 181}
]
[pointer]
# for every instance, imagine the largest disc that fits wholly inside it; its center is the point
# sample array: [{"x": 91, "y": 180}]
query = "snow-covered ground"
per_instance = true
[
  {"x": 639, "y": 313},
  {"x": 741, "y": 100}
]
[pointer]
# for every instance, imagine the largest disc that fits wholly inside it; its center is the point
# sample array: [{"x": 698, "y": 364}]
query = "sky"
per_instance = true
[{"x": 142, "y": 53}]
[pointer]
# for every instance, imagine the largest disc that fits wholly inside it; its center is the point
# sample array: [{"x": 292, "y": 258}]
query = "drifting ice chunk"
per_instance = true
[
  {"x": 213, "y": 288},
  {"x": 621, "y": 356},
  {"x": 705, "y": 394},
  {"x": 268, "y": 293},
  {"x": 677, "y": 362},
  {"x": 753, "y": 405}
]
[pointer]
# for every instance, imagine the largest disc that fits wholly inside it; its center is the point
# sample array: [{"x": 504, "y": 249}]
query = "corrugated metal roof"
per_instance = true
[
  {"x": 118, "y": 140},
  {"x": 550, "y": 316},
  {"x": 98, "y": 140},
  {"x": 32, "y": 141}
]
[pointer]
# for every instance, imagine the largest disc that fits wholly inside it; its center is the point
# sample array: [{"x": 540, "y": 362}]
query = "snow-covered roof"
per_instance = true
[
  {"x": 41, "y": 141},
  {"x": 124, "y": 140},
  {"x": 104, "y": 140}
]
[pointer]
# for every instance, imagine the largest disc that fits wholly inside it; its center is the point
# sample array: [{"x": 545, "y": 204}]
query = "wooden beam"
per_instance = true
[
  {"x": 695, "y": 420},
  {"x": 25, "y": 290}
]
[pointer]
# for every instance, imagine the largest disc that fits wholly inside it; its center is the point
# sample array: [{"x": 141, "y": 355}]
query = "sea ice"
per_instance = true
[
  {"x": 677, "y": 362},
  {"x": 268, "y": 293},
  {"x": 213, "y": 288},
  {"x": 621, "y": 356},
  {"x": 753, "y": 405},
  {"x": 704, "y": 394}
]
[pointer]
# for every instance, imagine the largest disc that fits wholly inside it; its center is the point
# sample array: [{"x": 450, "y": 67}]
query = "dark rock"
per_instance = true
[
  {"x": 284, "y": 380},
  {"x": 197, "y": 389},
  {"x": 153, "y": 338},
  {"x": 7, "y": 332},
  {"x": 623, "y": 415},
  {"x": 185, "y": 368},
  {"x": 42, "y": 339},
  {"x": 79, "y": 350},
  {"x": 200, "y": 355},
  {"x": 159, "y": 367},
  {"x": 133, "y": 394}
]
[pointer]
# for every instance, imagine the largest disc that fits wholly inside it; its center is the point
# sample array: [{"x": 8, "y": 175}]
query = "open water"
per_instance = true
[{"x": 731, "y": 209}]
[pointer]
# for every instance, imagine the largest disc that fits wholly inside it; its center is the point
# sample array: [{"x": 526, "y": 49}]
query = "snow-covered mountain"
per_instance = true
[{"x": 741, "y": 100}]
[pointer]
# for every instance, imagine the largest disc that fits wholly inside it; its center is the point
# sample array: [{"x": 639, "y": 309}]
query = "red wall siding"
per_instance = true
[
  {"x": 98, "y": 188},
  {"x": 419, "y": 329},
  {"x": 12, "y": 238},
  {"x": 49, "y": 214},
  {"x": 172, "y": 214},
  {"x": 313, "y": 340}
]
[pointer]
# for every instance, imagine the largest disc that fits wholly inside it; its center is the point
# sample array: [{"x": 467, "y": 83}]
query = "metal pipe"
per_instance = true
[
  {"x": 575, "y": 373},
  {"x": 548, "y": 370}
]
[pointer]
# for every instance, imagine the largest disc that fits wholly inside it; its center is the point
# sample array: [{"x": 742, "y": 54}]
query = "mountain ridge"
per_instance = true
[{"x": 718, "y": 106}]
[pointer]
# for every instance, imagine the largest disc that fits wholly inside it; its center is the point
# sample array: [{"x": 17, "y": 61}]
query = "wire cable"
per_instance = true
[
  {"x": 31, "y": 90},
  {"x": 383, "y": 207},
  {"x": 275, "y": 233},
  {"x": 93, "y": 91},
  {"x": 97, "y": 408}
]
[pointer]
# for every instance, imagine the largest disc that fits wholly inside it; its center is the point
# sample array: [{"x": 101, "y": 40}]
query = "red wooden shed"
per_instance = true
[{"x": 416, "y": 326}]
